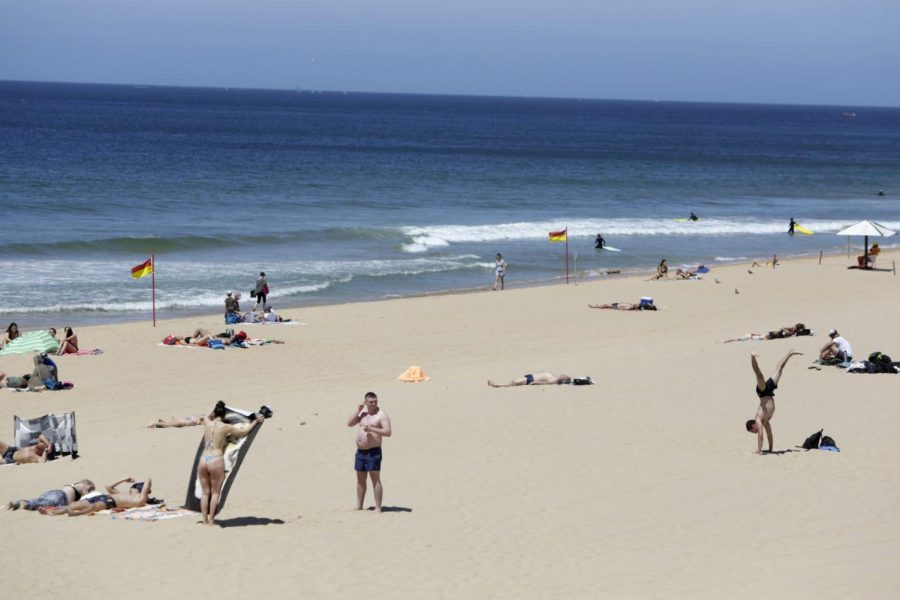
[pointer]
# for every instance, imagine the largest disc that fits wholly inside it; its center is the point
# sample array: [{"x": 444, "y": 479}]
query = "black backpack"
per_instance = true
[
  {"x": 827, "y": 441},
  {"x": 812, "y": 442}
]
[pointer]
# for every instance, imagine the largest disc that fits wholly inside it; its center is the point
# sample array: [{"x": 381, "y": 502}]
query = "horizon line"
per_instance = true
[{"x": 303, "y": 90}]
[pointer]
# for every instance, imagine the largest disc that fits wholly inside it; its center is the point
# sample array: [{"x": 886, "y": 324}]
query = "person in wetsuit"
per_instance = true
[
  {"x": 791, "y": 226},
  {"x": 599, "y": 242},
  {"x": 693, "y": 217},
  {"x": 765, "y": 390}
]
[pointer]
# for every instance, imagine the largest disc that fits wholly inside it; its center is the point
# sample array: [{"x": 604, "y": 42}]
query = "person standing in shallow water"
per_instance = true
[
  {"x": 791, "y": 226},
  {"x": 374, "y": 425},
  {"x": 262, "y": 289}
]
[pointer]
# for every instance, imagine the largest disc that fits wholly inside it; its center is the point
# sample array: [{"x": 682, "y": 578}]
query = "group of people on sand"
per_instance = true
[
  {"x": 45, "y": 375},
  {"x": 75, "y": 500},
  {"x": 67, "y": 344},
  {"x": 202, "y": 337},
  {"x": 261, "y": 312},
  {"x": 662, "y": 271}
]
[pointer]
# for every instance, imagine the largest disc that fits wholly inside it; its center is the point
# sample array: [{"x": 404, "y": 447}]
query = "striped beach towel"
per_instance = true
[{"x": 34, "y": 341}]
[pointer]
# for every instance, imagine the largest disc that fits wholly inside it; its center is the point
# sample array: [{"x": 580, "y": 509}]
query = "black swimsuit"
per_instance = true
[{"x": 769, "y": 391}]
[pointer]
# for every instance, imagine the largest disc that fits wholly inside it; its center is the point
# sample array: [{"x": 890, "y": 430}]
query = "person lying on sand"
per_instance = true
[
  {"x": 38, "y": 453},
  {"x": 136, "y": 496},
  {"x": 61, "y": 497},
  {"x": 14, "y": 381},
  {"x": 534, "y": 379},
  {"x": 163, "y": 423},
  {"x": 625, "y": 306},
  {"x": 788, "y": 331},
  {"x": 765, "y": 390}
]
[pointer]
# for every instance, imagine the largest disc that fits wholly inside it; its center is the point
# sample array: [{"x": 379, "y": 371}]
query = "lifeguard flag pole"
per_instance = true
[
  {"x": 148, "y": 267},
  {"x": 562, "y": 236}
]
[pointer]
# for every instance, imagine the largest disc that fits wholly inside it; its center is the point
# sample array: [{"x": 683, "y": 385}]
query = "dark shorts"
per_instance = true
[
  {"x": 106, "y": 499},
  {"x": 529, "y": 379},
  {"x": 368, "y": 460},
  {"x": 8, "y": 455}
]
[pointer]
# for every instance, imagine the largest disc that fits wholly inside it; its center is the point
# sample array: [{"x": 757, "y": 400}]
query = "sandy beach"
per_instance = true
[{"x": 643, "y": 485}]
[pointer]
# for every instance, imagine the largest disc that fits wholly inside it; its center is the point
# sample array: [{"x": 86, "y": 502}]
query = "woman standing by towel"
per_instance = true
[
  {"x": 262, "y": 289},
  {"x": 211, "y": 468}
]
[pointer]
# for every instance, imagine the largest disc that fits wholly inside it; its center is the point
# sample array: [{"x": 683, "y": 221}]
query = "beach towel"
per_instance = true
[
  {"x": 156, "y": 512},
  {"x": 414, "y": 374},
  {"x": 235, "y": 452},
  {"x": 34, "y": 341},
  {"x": 87, "y": 352},
  {"x": 59, "y": 429}
]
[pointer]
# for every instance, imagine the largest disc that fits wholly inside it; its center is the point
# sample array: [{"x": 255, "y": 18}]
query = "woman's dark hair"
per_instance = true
[
  {"x": 219, "y": 411},
  {"x": 9, "y": 329},
  {"x": 69, "y": 332}
]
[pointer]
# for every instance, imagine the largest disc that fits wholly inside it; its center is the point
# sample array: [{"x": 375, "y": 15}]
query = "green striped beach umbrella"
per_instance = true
[{"x": 35, "y": 341}]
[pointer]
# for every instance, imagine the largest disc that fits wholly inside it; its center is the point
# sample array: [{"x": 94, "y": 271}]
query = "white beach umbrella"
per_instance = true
[{"x": 867, "y": 228}]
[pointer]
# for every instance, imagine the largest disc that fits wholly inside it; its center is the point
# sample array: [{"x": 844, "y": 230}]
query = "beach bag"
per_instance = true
[
  {"x": 232, "y": 318},
  {"x": 646, "y": 301},
  {"x": 812, "y": 442},
  {"x": 215, "y": 344},
  {"x": 265, "y": 290},
  {"x": 582, "y": 381},
  {"x": 169, "y": 340},
  {"x": 253, "y": 293},
  {"x": 828, "y": 441}
]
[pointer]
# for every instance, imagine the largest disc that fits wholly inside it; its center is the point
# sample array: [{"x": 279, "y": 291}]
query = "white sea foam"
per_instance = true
[{"x": 435, "y": 236}]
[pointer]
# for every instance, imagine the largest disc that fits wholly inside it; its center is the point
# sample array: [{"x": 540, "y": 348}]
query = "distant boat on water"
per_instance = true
[{"x": 850, "y": 115}]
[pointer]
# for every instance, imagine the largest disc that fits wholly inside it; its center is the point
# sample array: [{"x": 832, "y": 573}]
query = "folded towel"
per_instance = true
[{"x": 414, "y": 374}]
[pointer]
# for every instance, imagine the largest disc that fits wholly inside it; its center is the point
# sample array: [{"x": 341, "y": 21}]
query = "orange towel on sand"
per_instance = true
[{"x": 414, "y": 374}]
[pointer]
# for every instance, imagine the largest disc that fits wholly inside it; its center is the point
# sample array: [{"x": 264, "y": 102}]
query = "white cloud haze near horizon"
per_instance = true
[{"x": 791, "y": 51}]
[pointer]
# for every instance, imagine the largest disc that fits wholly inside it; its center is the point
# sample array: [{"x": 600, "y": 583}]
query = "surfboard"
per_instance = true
[
  {"x": 683, "y": 220},
  {"x": 610, "y": 248},
  {"x": 234, "y": 452},
  {"x": 801, "y": 229}
]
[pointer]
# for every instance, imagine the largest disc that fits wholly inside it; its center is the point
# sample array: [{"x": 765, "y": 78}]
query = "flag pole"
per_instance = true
[
  {"x": 567, "y": 255},
  {"x": 153, "y": 275}
]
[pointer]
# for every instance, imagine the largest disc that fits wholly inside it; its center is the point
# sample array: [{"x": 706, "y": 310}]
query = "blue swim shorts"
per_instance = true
[{"x": 368, "y": 460}]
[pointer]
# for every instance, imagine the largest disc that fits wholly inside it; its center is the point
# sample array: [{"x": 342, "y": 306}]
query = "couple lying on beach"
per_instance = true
[
  {"x": 662, "y": 271},
  {"x": 787, "y": 331},
  {"x": 203, "y": 337},
  {"x": 73, "y": 499},
  {"x": 543, "y": 379},
  {"x": 644, "y": 304}
]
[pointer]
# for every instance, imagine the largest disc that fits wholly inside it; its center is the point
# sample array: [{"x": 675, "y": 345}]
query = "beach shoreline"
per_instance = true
[{"x": 644, "y": 484}]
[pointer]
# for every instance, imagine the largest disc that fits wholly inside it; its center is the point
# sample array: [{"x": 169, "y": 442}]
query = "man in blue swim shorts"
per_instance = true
[{"x": 374, "y": 425}]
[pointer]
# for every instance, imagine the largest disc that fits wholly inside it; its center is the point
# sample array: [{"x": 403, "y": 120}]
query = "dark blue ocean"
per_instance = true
[{"x": 348, "y": 196}]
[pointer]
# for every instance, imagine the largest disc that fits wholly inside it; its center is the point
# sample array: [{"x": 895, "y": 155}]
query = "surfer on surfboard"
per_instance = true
[{"x": 599, "y": 242}]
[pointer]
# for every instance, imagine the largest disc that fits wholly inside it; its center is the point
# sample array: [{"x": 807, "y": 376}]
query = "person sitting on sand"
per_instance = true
[
  {"x": 626, "y": 306},
  {"x": 211, "y": 467},
  {"x": 535, "y": 379},
  {"x": 200, "y": 337},
  {"x": 11, "y": 333},
  {"x": 662, "y": 271},
  {"x": 868, "y": 261},
  {"x": 836, "y": 347},
  {"x": 787, "y": 331},
  {"x": 765, "y": 390},
  {"x": 137, "y": 496},
  {"x": 69, "y": 344},
  {"x": 163, "y": 423},
  {"x": 39, "y": 453},
  {"x": 55, "y": 498},
  {"x": 232, "y": 308}
]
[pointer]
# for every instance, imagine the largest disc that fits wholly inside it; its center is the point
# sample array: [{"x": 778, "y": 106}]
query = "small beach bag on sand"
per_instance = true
[{"x": 812, "y": 442}]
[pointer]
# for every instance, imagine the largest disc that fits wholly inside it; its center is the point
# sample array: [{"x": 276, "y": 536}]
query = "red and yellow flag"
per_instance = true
[
  {"x": 559, "y": 236},
  {"x": 143, "y": 269}
]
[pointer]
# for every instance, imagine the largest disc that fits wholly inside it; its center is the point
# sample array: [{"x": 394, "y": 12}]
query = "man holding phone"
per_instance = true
[{"x": 374, "y": 425}]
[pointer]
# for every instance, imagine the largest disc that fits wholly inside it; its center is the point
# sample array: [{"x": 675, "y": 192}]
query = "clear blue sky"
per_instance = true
[{"x": 844, "y": 52}]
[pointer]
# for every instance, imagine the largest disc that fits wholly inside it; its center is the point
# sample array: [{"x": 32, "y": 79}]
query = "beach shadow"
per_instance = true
[
  {"x": 386, "y": 509},
  {"x": 779, "y": 452},
  {"x": 248, "y": 521}
]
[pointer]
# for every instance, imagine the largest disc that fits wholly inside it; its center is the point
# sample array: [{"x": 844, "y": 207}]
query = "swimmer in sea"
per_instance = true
[{"x": 211, "y": 468}]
